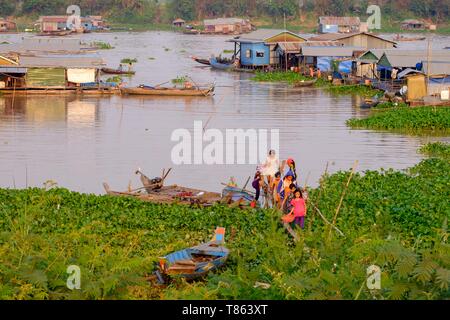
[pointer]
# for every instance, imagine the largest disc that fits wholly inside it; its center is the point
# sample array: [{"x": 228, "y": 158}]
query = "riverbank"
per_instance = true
[
  {"x": 426, "y": 120},
  {"x": 392, "y": 219},
  {"x": 305, "y": 24}
]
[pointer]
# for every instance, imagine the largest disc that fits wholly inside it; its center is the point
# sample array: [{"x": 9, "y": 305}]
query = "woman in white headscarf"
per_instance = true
[{"x": 270, "y": 167}]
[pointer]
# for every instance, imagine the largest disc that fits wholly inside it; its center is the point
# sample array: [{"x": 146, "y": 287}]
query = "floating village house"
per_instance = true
[
  {"x": 178, "y": 22},
  {"x": 359, "y": 39},
  {"x": 53, "y": 63},
  {"x": 331, "y": 24},
  {"x": 413, "y": 24},
  {"x": 59, "y": 23},
  {"x": 258, "y": 49},
  {"x": 7, "y": 25},
  {"x": 52, "y": 23},
  {"x": 227, "y": 26}
]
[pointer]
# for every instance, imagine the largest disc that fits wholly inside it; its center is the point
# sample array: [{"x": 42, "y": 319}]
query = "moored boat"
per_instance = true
[
  {"x": 202, "y": 61},
  {"x": 304, "y": 83},
  {"x": 194, "y": 262},
  {"x": 403, "y": 38},
  {"x": 55, "y": 33},
  {"x": 154, "y": 191},
  {"x": 163, "y": 91},
  {"x": 221, "y": 65},
  {"x": 369, "y": 103},
  {"x": 236, "y": 194},
  {"x": 117, "y": 71}
]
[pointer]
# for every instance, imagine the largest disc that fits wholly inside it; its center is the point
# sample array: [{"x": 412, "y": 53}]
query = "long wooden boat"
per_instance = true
[
  {"x": 201, "y": 61},
  {"x": 194, "y": 262},
  {"x": 55, "y": 33},
  {"x": 117, "y": 71},
  {"x": 304, "y": 83},
  {"x": 220, "y": 65},
  {"x": 154, "y": 191},
  {"x": 403, "y": 38},
  {"x": 162, "y": 91}
]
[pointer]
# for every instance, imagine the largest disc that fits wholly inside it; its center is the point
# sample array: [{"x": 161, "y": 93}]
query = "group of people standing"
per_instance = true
[{"x": 278, "y": 182}]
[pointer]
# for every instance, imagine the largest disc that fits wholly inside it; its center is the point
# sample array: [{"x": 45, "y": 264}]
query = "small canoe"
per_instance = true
[
  {"x": 116, "y": 71},
  {"x": 202, "y": 61},
  {"x": 194, "y": 262},
  {"x": 162, "y": 91},
  {"x": 369, "y": 103},
  {"x": 220, "y": 65},
  {"x": 304, "y": 83}
]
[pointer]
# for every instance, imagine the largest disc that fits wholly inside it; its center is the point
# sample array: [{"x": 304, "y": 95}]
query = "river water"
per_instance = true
[{"x": 81, "y": 142}]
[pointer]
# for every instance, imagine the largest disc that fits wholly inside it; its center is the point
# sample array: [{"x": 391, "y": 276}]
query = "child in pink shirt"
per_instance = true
[{"x": 298, "y": 209}]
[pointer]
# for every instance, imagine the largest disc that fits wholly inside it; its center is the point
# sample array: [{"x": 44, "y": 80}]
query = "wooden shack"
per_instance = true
[
  {"x": 227, "y": 26},
  {"x": 333, "y": 24},
  {"x": 7, "y": 25}
]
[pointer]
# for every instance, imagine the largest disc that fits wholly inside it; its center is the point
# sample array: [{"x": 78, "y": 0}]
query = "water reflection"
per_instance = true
[{"x": 82, "y": 142}]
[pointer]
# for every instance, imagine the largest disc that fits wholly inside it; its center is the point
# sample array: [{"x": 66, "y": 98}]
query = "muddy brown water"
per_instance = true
[{"x": 81, "y": 142}]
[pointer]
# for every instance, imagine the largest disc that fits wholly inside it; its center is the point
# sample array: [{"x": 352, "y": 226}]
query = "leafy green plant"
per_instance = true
[
  {"x": 129, "y": 61},
  {"x": 101, "y": 45},
  {"x": 279, "y": 76},
  {"x": 180, "y": 80},
  {"x": 115, "y": 79}
]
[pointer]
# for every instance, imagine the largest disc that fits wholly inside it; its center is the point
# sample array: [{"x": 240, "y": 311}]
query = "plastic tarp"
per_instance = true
[
  {"x": 445, "y": 80},
  {"x": 81, "y": 75},
  {"x": 324, "y": 64}
]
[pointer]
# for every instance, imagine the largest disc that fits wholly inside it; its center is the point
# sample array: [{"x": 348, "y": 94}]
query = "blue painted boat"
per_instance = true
[
  {"x": 237, "y": 194},
  {"x": 194, "y": 262},
  {"x": 220, "y": 65}
]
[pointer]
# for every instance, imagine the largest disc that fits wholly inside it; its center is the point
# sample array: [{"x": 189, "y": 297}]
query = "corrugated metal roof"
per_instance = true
[
  {"x": 289, "y": 47},
  {"x": 406, "y": 72},
  {"x": 409, "y": 58},
  {"x": 321, "y": 44},
  {"x": 340, "y": 21},
  {"x": 412, "y": 21},
  {"x": 221, "y": 21},
  {"x": 340, "y": 36},
  {"x": 54, "y": 61},
  {"x": 45, "y": 44},
  {"x": 437, "y": 67},
  {"x": 12, "y": 70},
  {"x": 262, "y": 34},
  {"x": 329, "y": 51}
]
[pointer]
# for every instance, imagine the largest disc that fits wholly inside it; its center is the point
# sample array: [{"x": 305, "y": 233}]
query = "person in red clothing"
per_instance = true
[{"x": 298, "y": 208}]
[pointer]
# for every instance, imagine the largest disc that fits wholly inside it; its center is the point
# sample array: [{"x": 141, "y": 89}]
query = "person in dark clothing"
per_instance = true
[{"x": 256, "y": 184}]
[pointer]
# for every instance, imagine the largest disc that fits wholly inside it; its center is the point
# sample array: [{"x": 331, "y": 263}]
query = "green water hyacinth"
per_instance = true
[
  {"x": 395, "y": 220},
  {"x": 416, "y": 121}
]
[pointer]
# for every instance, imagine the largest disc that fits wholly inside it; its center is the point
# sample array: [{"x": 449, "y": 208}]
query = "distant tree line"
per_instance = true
[
  {"x": 198, "y": 9},
  {"x": 165, "y": 10}
]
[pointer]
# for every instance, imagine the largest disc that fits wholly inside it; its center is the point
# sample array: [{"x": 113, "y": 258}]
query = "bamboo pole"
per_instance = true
[
  {"x": 342, "y": 196},
  {"x": 320, "y": 194}
]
